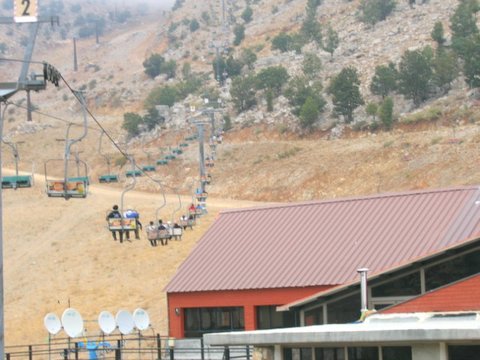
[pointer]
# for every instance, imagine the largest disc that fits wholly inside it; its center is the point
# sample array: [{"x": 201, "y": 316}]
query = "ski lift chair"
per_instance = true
[
  {"x": 16, "y": 181},
  {"x": 68, "y": 187},
  {"x": 148, "y": 168},
  {"x": 162, "y": 162},
  {"x": 133, "y": 173},
  {"x": 109, "y": 178}
]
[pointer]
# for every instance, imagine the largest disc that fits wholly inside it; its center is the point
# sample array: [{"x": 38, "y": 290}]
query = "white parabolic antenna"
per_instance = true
[
  {"x": 141, "y": 319},
  {"x": 52, "y": 323},
  {"x": 72, "y": 322},
  {"x": 107, "y": 323},
  {"x": 125, "y": 322}
]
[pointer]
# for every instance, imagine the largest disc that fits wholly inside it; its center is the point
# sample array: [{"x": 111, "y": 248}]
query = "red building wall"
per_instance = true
[{"x": 249, "y": 299}]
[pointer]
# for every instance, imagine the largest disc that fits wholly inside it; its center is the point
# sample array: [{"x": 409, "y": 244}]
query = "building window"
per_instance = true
[
  {"x": 314, "y": 316},
  {"x": 363, "y": 353},
  {"x": 269, "y": 318},
  {"x": 463, "y": 352},
  {"x": 408, "y": 285},
  {"x": 199, "y": 321},
  {"x": 329, "y": 354},
  {"x": 452, "y": 270},
  {"x": 297, "y": 354},
  {"x": 344, "y": 310},
  {"x": 396, "y": 353}
]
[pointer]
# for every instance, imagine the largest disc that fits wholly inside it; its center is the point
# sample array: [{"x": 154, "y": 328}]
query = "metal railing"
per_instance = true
[{"x": 125, "y": 347}]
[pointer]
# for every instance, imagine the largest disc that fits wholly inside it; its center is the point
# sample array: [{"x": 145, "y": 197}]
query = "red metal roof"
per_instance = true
[
  {"x": 324, "y": 242},
  {"x": 461, "y": 296}
]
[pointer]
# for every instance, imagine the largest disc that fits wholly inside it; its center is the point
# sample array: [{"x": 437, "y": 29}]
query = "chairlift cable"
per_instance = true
[{"x": 117, "y": 146}]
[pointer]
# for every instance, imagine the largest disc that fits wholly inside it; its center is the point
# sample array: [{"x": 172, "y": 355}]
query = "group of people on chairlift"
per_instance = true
[
  {"x": 151, "y": 229},
  {"x": 127, "y": 214}
]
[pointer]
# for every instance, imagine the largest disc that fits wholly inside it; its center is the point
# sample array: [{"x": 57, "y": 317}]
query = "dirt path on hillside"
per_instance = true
[{"x": 59, "y": 253}]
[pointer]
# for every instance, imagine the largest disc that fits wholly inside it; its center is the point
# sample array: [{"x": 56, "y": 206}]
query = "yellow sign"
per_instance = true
[{"x": 25, "y": 10}]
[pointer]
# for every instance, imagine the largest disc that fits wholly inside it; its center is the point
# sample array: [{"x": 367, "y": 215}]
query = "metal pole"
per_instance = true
[
  {"x": 212, "y": 119},
  {"x": 159, "y": 347},
  {"x": 28, "y": 53},
  {"x": 29, "y": 107},
  {"x": 201, "y": 154},
  {"x": 75, "y": 63},
  {"x": 219, "y": 76},
  {"x": 363, "y": 289},
  {"x": 2, "y": 321},
  {"x": 15, "y": 157}
]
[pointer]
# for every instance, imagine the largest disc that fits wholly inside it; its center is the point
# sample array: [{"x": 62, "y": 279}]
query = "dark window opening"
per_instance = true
[
  {"x": 314, "y": 316},
  {"x": 297, "y": 354},
  {"x": 452, "y": 270},
  {"x": 199, "y": 321},
  {"x": 344, "y": 310},
  {"x": 463, "y": 352},
  {"x": 404, "y": 286},
  {"x": 269, "y": 318},
  {"x": 396, "y": 353},
  {"x": 362, "y": 353},
  {"x": 329, "y": 354}
]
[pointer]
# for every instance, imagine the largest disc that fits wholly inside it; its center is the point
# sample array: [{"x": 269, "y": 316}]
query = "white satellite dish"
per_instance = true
[
  {"x": 125, "y": 322},
  {"x": 52, "y": 323},
  {"x": 72, "y": 322},
  {"x": 141, "y": 319},
  {"x": 107, "y": 323}
]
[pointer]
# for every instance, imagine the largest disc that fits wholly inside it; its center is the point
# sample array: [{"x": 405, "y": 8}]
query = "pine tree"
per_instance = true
[
  {"x": 345, "y": 91},
  {"x": 416, "y": 74},
  {"x": 385, "y": 80},
  {"x": 332, "y": 41}
]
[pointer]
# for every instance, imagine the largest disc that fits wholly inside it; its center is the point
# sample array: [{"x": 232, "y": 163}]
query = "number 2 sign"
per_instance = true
[{"x": 25, "y": 10}]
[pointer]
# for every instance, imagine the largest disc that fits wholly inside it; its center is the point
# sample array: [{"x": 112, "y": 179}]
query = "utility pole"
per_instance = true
[
  {"x": 29, "y": 106},
  {"x": 24, "y": 11},
  {"x": 75, "y": 63}
]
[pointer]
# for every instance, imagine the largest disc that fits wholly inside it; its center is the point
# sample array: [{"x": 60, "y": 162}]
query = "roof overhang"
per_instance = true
[{"x": 395, "y": 331}]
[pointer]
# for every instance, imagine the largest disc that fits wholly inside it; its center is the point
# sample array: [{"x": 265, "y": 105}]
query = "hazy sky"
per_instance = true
[{"x": 163, "y": 3}]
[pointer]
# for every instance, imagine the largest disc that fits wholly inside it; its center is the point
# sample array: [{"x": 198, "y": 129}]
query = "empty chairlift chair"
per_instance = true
[
  {"x": 16, "y": 181},
  {"x": 108, "y": 177}
]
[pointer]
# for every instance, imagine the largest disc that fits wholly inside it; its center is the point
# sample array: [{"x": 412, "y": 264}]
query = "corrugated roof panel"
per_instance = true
[{"x": 324, "y": 242}]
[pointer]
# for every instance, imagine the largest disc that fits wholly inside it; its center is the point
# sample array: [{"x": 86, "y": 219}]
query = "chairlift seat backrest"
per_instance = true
[
  {"x": 85, "y": 179},
  {"x": 72, "y": 189},
  {"x": 148, "y": 168},
  {"x": 153, "y": 234},
  {"x": 164, "y": 234},
  {"x": 108, "y": 178},
  {"x": 132, "y": 173},
  {"x": 116, "y": 224},
  {"x": 13, "y": 182}
]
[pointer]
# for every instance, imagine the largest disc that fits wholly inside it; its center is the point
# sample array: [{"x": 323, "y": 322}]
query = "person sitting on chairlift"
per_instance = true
[
  {"x": 162, "y": 229},
  {"x": 133, "y": 214},
  {"x": 115, "y": 214},
  {"x": 151, "y": 234}
]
